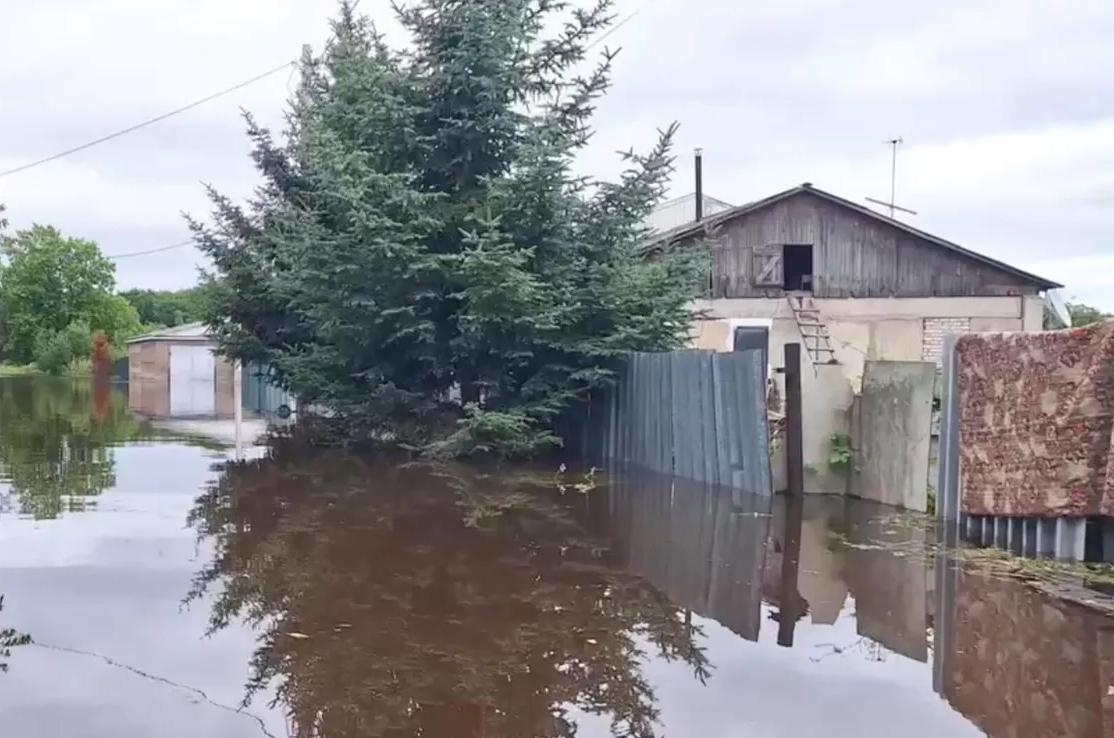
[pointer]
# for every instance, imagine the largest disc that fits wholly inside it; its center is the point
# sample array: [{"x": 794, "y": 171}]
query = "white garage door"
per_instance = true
[{"x": 192, "y": 381}]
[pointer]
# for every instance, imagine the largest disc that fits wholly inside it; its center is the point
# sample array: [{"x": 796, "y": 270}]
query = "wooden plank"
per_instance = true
[{"x": 794, "y": 455}]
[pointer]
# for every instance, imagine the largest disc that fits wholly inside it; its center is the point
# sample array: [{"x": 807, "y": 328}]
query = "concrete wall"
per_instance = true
[
  {"x": 879, "y": 329},
  {"x": 226, "y": 375},
  {"x": 895, "y": 433}
]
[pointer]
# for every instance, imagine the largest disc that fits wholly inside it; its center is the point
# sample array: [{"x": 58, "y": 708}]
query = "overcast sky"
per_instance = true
[{"x": 1006, "y": 107}]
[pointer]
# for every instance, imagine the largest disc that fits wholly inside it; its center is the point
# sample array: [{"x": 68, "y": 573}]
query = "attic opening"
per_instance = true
[{"x": 797, "y": 259}]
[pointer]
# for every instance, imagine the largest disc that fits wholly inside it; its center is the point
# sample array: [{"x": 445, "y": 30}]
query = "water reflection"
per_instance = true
[
  {"x": 397, "y": 602},
  {"x": 377, "y": 600},
  {"x": 9, "y": 638},
  {"x": 55, "y": 444},
  {"x": 57, "y": 441},
  {"x": 1018, "y": 661},
  {"x": 701, "y": 545}
]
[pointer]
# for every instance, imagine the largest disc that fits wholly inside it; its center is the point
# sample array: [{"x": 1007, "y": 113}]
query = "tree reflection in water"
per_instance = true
[
  {"x": 55, "y": 442},
  {"x": 9, "y": 639},
  {"x": 398, "y": 601}
]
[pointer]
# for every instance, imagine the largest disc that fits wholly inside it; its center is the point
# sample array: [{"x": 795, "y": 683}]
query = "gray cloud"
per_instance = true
[{"x": 1004, "y": 105}]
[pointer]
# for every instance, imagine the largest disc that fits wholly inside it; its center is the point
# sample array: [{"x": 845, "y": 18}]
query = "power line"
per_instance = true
[
  {"x": 617, "y": 26},
  {"x": 150, "y": 121},
  {"x": 179, "y": 245}
]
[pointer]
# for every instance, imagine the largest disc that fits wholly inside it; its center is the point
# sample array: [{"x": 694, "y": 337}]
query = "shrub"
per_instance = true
[{"x": 54, "y": 352}]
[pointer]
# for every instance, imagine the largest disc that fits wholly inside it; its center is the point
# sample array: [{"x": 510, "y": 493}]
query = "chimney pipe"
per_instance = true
[{"x": 699, "y": 185}]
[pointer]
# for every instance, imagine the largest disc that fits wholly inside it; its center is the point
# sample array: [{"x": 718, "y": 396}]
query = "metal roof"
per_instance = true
[
  {"x": 714, "y": 221},
  {"x": 189, "y": 332},
  {"x": 680, "y": 210}
]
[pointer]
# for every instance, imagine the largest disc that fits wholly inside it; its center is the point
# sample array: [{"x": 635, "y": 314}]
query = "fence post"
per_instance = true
[
  {"x": 238, "y": 407},
  {"x": 794, "y": 442},
  {"x": 947, "y": 487}
]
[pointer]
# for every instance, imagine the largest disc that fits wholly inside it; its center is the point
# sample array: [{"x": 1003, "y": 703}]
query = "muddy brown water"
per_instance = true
[{"x": 168, "y": 592}]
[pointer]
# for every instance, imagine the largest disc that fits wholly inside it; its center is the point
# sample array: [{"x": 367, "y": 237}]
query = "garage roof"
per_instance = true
[{"x": 198, "y": 332}]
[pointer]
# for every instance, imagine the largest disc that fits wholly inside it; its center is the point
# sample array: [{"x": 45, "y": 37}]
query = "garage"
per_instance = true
[
  {"x": 193, "y": 380},
  {"x": 175, "y": 373}
]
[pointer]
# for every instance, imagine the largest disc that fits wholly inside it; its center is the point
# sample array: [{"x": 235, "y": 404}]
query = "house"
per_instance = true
[
  {"x": 175, "y": 373},
  {"x": 849, "y": 284}
]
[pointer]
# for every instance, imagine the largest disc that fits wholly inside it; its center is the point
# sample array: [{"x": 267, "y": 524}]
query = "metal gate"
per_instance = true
[{"x": 193, "y": 382}]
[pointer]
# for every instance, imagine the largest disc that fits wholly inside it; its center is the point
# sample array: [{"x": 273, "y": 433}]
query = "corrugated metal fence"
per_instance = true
[
  {"x": 698, "y": 415},
  {"x": 260, "y": 395}
]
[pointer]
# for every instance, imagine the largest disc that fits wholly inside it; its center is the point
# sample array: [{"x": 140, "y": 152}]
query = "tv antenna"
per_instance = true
[{"x": 893, "y": 143}]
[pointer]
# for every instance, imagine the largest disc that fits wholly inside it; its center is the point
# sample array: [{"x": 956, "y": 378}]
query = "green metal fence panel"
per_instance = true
[{"x": 697, "y": 415}]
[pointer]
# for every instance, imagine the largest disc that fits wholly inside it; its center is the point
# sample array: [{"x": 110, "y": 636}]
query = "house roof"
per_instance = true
[
  {"x": 189, "y": 332},
  {"x": 714, "y": 221},
  {"x": 680, "y": 210}
]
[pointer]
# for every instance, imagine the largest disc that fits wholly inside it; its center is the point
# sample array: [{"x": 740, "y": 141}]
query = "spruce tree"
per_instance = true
[{"x": 421, "y": 258}]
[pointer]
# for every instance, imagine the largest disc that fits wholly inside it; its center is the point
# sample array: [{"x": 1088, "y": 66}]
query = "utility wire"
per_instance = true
[
  {"x": 151, "y": 121},
  {"x": 179, "y": 245},
  {"x": 617, "y": 26}
]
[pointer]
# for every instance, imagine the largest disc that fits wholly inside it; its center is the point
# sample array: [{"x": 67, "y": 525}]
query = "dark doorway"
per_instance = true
[
  {"x": 798, "y": 267},
  {"x": 753, "y": 338}
]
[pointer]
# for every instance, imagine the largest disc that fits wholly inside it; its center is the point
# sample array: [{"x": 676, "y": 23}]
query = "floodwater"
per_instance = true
[{"x": 306, "y": 592}]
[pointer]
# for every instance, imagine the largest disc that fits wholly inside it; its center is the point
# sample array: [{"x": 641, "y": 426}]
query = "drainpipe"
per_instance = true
[{"x": 699, "y": 163}]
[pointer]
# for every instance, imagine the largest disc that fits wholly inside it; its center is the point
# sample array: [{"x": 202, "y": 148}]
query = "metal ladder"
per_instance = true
[{"x": 814, "y": 332}]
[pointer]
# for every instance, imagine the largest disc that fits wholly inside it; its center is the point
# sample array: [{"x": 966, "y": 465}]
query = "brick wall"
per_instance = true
[{"x": 932, "y": 342}]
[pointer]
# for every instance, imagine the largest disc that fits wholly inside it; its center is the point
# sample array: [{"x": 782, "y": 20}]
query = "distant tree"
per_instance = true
[
  {"x": 1082, "y": 315},
  {"x": 166, "y": 308},
  {"x": 422, "y": 258},
  {"x": 54, "y": 352},
  {"x": 49, "y": 282}
]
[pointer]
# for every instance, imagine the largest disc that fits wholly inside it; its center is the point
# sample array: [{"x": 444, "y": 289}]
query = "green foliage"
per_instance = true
[
  {"x": 1082, "y": 315},
  {"x": 422, "y": 245},
  {"x": 840, "y": 455},
  {"x": 512, "y": 434},
  {"x": 165, "y": 308},
  {"x": 55, "y": 351},
  {"x": 50, "y": 282},
  {"x": 113, "y": 315}
]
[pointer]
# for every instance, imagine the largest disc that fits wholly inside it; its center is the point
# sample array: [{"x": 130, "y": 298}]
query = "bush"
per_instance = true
[{"x": 54, "y": 352}]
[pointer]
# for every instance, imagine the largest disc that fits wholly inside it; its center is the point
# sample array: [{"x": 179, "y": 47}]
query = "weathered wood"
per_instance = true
[
  {"x": 854, "y": 255},
  {"x": 794, "y": 445}
]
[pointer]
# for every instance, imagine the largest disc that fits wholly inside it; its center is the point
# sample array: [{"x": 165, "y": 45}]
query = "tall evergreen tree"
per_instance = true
[{"x": 421, "y": 258}]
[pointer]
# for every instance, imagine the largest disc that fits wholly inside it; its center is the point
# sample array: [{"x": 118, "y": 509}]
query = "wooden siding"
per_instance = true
[{"x": 853, "y": 256}]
